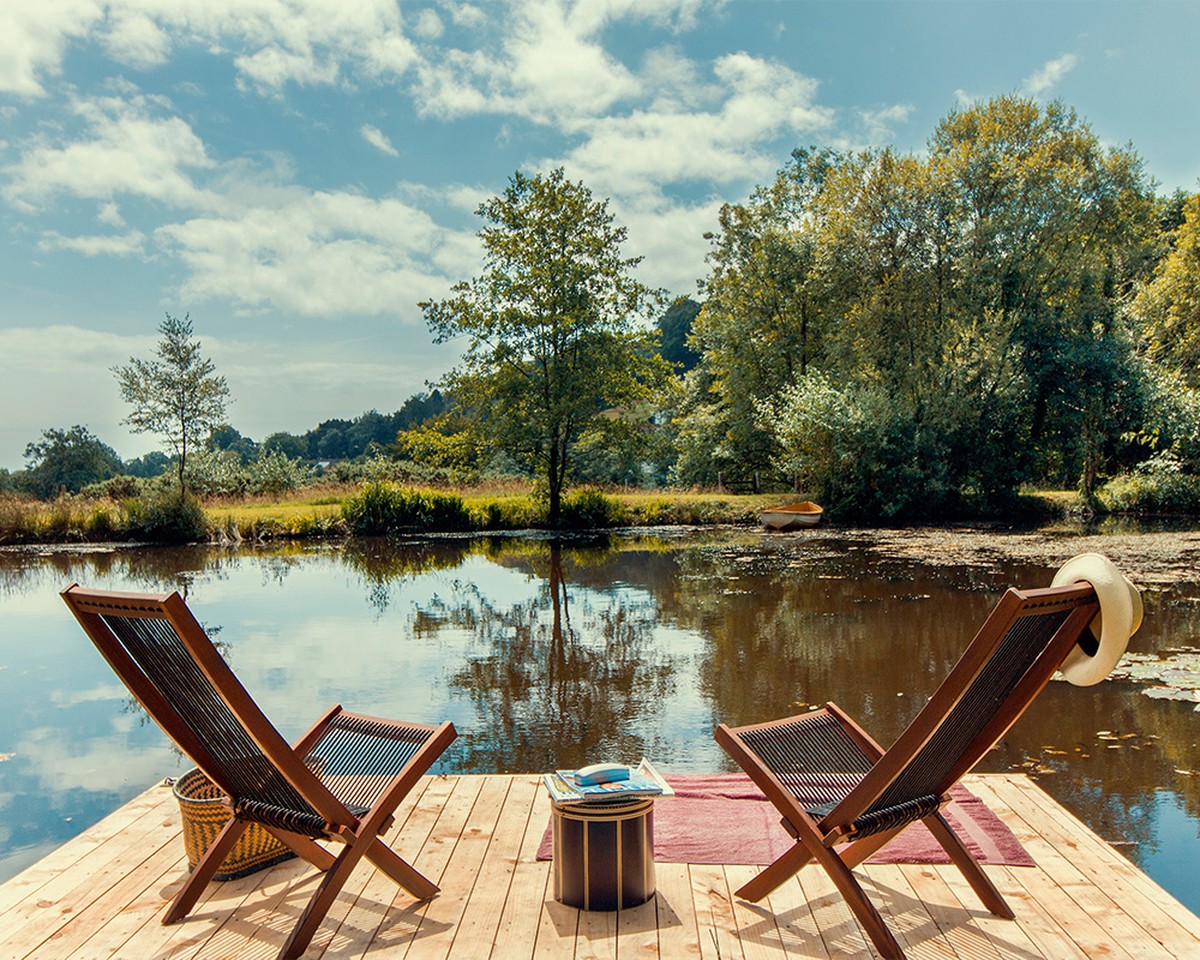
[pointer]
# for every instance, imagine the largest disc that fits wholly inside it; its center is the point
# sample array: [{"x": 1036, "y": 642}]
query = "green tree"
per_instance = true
[
  {"x": 178, "y": 395},
  {"x": 226, "y": 437},
  {"x": 151, "y": 464},
  {"x": 968, "y": 299},
  {"x": 552, "y": 338},
  {"x": 675, "y": 331},
  {"x": 67, "y": 461},
  {"x": 1169, "y": 306},
  {"x": 288, "y": 444},
  {"x": 762, "y": 322},
  {"x": 1051, "y": 233}
]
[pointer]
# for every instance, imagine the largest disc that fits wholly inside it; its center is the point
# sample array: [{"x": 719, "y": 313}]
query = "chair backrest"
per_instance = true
[
  {"x": 164, "y": 657},
  {"x": 1011, "y": 659}
]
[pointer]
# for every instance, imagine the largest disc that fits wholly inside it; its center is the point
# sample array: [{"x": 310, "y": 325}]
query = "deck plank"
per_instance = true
[
  {"x": 758, "y": 929},
  {"x": 1162, "y": 916},
  {"x": 445, "y": 912},
  {"x": 62, "y": 898},
  {"x": 907, "y": 917},
  {"x": 66, "y": 858},
  {"x": 840, "y": 931},
  {"x": 675, "y": 912},
  {"x": 1069, "y": 861},
  {"x": 100, "y": 897},
  {"x": 356, "y": 913},
  {"x": 481, "y": 916}
]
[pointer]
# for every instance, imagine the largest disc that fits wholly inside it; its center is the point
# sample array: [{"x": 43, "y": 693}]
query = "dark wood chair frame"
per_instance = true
[
  {"x": 817, "y": 835},
  {"x": 359, "y": 833}
]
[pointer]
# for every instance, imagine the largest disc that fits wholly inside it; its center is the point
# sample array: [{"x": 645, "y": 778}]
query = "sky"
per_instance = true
[{"x": 297, "y": 175}]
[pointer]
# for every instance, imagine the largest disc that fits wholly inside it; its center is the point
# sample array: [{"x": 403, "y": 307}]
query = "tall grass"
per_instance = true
[{"x": 153, "y": 513}]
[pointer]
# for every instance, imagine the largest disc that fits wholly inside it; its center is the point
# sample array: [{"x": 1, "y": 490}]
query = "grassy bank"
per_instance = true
[
  {"x": 326, "y": 511},
  {"x": 342, "y": 510}
]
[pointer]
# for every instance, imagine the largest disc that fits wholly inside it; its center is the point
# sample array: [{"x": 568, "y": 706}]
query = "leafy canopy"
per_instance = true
[
  {"x": 551, "y": 326},
  {"x": 67, "y": 460},
  {"x": 968, "y": 299},
  {"x": 178, "y": 395}
]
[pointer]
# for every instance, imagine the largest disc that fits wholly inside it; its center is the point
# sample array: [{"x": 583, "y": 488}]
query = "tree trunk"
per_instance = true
[
  {"x": 554, "y": 486},
  {"x": 182, "y": 463}
]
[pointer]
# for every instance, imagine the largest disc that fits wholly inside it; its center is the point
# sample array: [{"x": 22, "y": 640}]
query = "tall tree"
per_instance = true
[
  {"x": 762, "y": 322},
  {"x": 1169, "y": 306},
  {"x": 675, "y": 331},
  {"x": 67, "y": 460},
  {"x": 968, "y": 299},
  {"x": 551, "y": 325},
  {"x": 178, "y": 395}
]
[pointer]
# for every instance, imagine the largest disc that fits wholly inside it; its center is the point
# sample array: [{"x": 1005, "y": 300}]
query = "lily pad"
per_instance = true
[{"x": 1173, "y": 676}]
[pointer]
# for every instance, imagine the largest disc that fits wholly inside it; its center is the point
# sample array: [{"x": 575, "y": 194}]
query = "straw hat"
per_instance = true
[{"x": 1119, "y": 617}]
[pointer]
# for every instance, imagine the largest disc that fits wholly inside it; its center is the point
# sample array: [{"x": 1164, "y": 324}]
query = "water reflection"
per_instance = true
[{"x": 549, "y": 653}]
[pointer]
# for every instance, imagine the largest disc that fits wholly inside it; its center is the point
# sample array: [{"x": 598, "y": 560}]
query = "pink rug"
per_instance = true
[{"x": 724, "y": 818}]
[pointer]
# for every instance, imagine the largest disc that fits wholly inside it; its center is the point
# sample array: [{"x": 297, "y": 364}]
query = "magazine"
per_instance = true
[{"x": 644, "y": 781}]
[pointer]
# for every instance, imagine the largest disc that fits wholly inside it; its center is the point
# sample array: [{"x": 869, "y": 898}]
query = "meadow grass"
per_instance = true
[{"x": 320, "y": 511}]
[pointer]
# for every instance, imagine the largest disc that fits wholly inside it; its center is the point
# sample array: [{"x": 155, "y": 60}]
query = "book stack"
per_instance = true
[{"x": 605, "y": 783}]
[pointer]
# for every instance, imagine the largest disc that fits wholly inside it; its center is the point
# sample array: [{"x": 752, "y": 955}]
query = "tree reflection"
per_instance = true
[
  {"x": 560, "y": 681},
  {"x": 381, "y": 563}
]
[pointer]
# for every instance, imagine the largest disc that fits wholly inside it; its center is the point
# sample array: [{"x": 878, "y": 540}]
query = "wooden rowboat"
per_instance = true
[{"x": 792, "y": 515}]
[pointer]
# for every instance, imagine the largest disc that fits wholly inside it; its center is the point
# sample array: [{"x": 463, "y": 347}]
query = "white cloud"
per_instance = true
[
  {"x": 243, "y": 234},
  {"x": 557, "y": 67},
  {"x": 647, "y": 149},
  {"x": 64, "y": 350},
  {"x": 110, "y": 215},
  {"x": 117, "y": 245},
  {"x": 317, "y": 254},
  {"x": 880, "y": 124},
  {"x": 670, "y": 237},
  {"x": 1051, "y": 73},
  {"x": 126, "y": 151},
  {"x": 378, "y": 139},
  {"x": 66, "y": 368},
  {"x": 545, "y": 60},
  {"x": 428, "y": 25},
  {"x": 135, "y": 38},
  {"x": 34, "y": 36},
  {"x": 271, "y": 42}
]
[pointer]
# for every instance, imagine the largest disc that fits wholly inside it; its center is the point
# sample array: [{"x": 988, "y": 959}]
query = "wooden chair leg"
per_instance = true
[
  {"x": 858, "y": 851},
  {"x": 322, "y": 899},
  {"x": 400, "y": 870},
  {"x": 787, "y": 866},
  {"x": 856, "y": 898},
  {"x": 979, "y": 881},
  {"x": 204, "y": 871},
  {"x": 302, "y": 846}
]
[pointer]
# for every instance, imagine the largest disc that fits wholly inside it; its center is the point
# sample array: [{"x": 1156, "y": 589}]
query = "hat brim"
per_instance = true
[{"x": 1120, "y": 616}]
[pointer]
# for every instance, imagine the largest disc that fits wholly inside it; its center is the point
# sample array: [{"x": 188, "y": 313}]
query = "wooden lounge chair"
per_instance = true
[
  {"x": 341, "y": 781},
  {"x": 835, "y": 785}
]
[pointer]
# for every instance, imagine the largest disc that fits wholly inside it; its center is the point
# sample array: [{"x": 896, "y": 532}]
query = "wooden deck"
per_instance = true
[{"x": 100, "y": 896}]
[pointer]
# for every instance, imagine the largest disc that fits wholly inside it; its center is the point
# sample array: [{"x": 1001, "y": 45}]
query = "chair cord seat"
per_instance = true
[
  {"x": 305, "y": 824},
  {"x": 887, "y": 818}
]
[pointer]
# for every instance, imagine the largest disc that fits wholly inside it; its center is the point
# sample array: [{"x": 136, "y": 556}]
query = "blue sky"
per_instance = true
[{"x": 298, "y": 174}]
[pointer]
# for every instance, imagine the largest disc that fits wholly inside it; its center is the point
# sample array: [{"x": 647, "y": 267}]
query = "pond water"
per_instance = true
[{"x": 551, "y": 653}]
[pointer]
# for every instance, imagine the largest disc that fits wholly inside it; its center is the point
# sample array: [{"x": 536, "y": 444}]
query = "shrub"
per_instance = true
[
  {"x": 385, "y": 508},
  {"x": 101, "y": 524},
  {"x": 509, "y": 513},
  {"x": 1158, "y": 487},
  {"x": 215, "y": 473},
  {"x": 588, "y": 509},
  {"x": 116, "y": 488},
  {"x": 273, "y": 473},
  {"x": 166, "y": 517},
  {"x": 378, "y": 468}
]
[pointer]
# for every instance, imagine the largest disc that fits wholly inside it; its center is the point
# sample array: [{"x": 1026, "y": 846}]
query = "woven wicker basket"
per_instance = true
[{"x": 203, "y": 818}]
